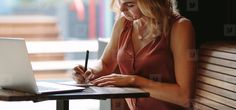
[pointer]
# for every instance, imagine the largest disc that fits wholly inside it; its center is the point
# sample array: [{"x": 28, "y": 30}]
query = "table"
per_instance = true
[{"x": 62, "y": 100}]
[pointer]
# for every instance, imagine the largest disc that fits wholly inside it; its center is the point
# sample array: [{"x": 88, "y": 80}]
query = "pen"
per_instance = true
[{"x": 86, "y": 61}]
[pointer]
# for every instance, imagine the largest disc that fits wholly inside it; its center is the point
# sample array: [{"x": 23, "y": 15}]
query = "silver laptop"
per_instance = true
[{"x": 16, "y": 71}]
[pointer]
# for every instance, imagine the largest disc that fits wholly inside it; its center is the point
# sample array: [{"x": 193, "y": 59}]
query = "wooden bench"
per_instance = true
[
  {"x": 30, "y": 27},
  {"x": 216, "y": 82}
]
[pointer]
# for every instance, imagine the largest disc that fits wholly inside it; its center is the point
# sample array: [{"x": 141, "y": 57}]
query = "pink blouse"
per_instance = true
[{"x": 154, "y": 61}]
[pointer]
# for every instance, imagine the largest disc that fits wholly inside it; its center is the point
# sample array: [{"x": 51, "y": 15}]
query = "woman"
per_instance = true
[{"x": 152, "y": 45}]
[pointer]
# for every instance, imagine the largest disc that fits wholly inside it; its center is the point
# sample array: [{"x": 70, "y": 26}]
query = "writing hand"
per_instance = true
[{"x": 81, "y": 76}]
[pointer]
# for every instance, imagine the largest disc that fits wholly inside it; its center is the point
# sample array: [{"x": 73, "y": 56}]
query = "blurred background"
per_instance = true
[
  {"x": 57, "y": 30},
  {"x": 214, "y": 20}
]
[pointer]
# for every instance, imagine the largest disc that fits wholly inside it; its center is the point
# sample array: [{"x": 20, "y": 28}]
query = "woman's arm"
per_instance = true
[
  {"x": 108, "y": 61},
  {"x": 183, "y": 48}
]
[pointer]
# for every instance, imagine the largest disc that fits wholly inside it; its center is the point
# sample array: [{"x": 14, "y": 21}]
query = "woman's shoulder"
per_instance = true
[
  {"x": 182, "y": 29},
  {"x": 118, "y": 27},
  {"x": 180, "y": 22},
  {"x": 179, "y": 19},
  {"x": 121, "y": 23}
]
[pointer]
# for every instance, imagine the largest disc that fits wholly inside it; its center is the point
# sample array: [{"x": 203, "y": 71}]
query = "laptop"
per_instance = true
[{"x": 16, "y": 71}]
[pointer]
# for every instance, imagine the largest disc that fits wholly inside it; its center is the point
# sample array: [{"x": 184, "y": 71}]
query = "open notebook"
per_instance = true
[{"x": 16, "y": 71}]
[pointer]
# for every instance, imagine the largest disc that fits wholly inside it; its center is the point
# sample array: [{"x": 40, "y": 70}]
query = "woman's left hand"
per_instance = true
[{"x": 114, "y": 80}]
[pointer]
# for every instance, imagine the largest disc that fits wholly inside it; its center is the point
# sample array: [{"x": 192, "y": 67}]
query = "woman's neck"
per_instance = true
[
  {"x": 142, "y": 22},
  {"x": 140, "y": 26}
]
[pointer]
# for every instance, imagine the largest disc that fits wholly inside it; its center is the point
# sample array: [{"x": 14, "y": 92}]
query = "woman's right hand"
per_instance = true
[{"x": 81, "y": 76}]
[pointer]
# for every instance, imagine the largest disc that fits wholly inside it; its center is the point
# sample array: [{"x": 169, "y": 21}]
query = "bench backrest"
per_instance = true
[
  {"x": 216, "y": 82},
  {"x": 31, "y": 27}
]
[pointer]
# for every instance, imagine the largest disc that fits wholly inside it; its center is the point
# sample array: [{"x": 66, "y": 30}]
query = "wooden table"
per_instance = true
[{"x": 63, "y": 99}]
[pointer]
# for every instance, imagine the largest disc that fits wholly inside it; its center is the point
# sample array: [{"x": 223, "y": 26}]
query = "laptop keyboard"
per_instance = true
[{"x": 53, "y": 87}]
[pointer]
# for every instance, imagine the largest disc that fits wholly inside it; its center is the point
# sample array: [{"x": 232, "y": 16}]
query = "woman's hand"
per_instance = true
[
  {"x": 80, "y": 76},
  {"x": 114, "y": 80}
]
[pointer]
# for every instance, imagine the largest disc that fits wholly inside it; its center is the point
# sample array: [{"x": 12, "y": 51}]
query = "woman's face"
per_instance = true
[{"x": 130, "y": 9}]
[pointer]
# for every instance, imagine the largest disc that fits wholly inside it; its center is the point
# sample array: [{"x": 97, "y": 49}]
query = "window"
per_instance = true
[{"x": 76, "y": 19}]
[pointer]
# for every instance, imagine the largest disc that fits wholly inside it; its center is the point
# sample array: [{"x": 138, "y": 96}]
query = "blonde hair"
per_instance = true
[{"x": 158, "y": 12}]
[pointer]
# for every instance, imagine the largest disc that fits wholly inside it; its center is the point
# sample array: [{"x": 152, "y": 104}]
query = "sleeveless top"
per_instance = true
[{"x": 154, "y": 61}]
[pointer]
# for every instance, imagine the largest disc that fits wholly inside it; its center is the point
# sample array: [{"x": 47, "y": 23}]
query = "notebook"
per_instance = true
[{"x": 16, "y": 71}]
